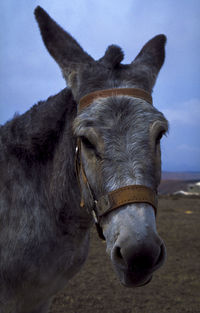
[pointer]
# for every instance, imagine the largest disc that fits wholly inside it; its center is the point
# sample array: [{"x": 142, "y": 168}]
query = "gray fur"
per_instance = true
[{"x": 44, "y": 233}]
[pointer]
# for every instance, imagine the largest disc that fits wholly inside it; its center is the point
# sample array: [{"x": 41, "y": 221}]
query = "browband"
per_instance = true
[{"x": 133, "y": 92}]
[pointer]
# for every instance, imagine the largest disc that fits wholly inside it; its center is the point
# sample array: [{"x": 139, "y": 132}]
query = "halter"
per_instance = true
[
  {"x": 133, "y": 92},
  {"x": 121, "y": 196}
]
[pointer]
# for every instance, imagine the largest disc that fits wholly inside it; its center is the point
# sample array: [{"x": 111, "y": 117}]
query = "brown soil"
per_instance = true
[{"x": 175, "y": 287}]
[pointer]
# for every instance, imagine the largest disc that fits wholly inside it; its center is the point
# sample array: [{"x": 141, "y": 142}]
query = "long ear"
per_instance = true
[
  {"x": 152, "y": 57},
  {"x": 62, "y": 47}
]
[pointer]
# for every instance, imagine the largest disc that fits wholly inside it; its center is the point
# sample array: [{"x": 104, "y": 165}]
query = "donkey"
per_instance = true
[{"x": 91, "y": 152}]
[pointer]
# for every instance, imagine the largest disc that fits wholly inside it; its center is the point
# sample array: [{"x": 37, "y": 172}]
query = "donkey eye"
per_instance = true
[
  {"x": 159, "y": 137},
  {"x": 90, "y": 146},
  {"x": 87, "y": 143}
]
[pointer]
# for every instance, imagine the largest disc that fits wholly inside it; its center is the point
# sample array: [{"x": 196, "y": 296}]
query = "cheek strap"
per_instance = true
[{"x": 114, "y": 199}]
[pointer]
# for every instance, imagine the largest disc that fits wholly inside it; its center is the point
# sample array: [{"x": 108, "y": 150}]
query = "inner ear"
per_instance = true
[
  {"x": 72, "y": 79},
  {"x": 150, "y": 59},
  {"x": 112, "y": 57},
  {"x": 65, "y": 50},
  {"x": 153, "y": 53}
]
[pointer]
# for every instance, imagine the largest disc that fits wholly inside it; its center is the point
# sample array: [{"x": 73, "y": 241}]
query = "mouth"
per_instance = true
[
  {"x": 133, "y": 279},
  {"x": 147, "y": 282},
  {"x": 131, "y": 283}
]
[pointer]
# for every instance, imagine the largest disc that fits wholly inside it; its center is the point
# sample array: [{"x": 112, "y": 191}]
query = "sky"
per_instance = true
[{"x": 28, "y": 73}]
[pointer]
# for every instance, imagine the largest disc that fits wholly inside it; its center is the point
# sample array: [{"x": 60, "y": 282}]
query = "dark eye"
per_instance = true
[
  {"x": 159, "y": 137},
  {"x": 90, "y": 146},
  {"x": 87, "y": 143}
]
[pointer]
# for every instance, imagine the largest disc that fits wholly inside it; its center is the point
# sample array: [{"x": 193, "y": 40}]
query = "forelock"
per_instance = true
[{"x": 118, "y": 113}]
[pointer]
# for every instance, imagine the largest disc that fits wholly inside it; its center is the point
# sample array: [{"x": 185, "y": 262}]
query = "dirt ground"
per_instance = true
[{"x": 175, "y": 287}]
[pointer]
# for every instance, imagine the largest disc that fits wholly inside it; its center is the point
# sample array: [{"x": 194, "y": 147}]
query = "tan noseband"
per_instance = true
[
  {"x": 122, "y": 196},
  {"x": 126, "y": 195}
]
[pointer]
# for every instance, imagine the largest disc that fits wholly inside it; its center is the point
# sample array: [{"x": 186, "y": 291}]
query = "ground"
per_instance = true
[{"x": 175, "y": 288}]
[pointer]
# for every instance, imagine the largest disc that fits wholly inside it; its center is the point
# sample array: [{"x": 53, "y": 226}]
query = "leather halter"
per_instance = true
[
  {"x": 119, "y": 197},
  {"x": 133, "y": 92}
]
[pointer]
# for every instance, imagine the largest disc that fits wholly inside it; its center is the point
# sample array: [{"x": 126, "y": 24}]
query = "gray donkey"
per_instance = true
[{"x": 91, "y": 151}]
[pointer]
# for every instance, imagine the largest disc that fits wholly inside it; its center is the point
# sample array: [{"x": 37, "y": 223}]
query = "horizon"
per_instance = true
[
  {"x": 28, "y": 74},
  {"x": 196, "y": 172}
]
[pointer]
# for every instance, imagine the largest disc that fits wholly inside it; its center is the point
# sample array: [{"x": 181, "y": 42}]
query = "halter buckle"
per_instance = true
[{"x": 103, "y": 204}]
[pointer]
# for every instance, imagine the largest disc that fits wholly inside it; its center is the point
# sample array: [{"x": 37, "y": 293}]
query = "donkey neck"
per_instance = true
[
  {"x": 63, "y": 188},
  {"x": 41, "y": 144},
  {"x": 34, "y": 135}
]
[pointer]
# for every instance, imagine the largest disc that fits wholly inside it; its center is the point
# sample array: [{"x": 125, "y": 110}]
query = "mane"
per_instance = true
[
  {"x": 113, "y": 56},
  {"x": 34, "y": 134}
]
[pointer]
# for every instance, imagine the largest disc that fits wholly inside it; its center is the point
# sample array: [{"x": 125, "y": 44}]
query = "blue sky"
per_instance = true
[{"x": 28, "y": 74}]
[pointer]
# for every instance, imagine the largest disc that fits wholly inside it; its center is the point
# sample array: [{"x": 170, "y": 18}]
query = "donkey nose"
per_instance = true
[{"x": 133, "y": 256}]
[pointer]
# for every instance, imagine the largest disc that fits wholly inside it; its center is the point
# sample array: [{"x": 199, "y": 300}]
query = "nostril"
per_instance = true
[
  {"x": 161, "y": 256},
  {"x": 118, "y": 253},
  {"x": 117, "y": 256}
]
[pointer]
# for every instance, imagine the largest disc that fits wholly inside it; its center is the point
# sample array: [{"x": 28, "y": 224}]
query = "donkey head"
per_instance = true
[{"x": 120, "y": 143}]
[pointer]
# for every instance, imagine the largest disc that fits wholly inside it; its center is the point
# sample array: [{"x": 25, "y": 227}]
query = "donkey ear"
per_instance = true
[
  {"x": 62, "y": 47},
  {"x": 152, "y": 56}
]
